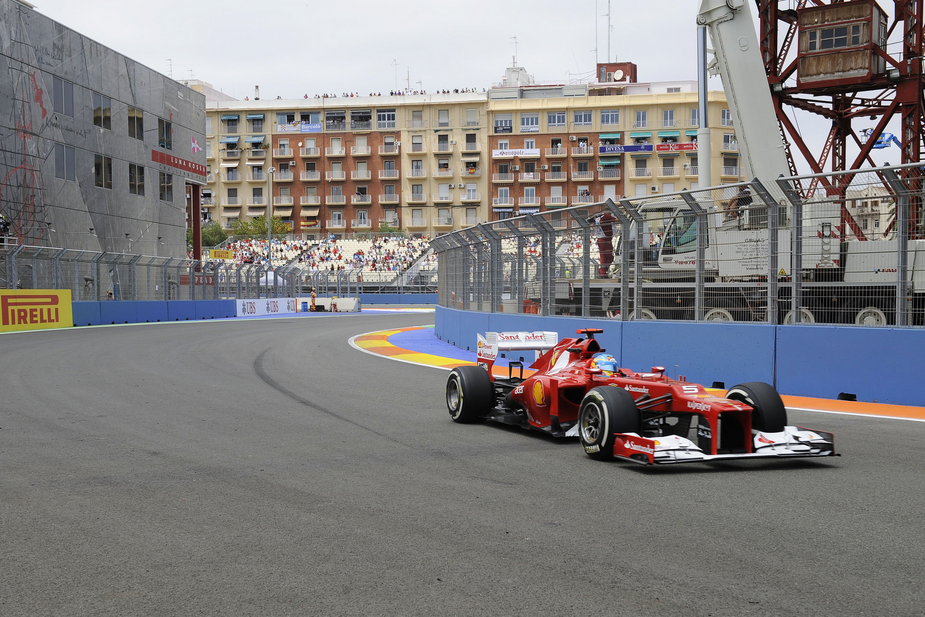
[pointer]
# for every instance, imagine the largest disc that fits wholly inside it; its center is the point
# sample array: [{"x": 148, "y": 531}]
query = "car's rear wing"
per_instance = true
[{"x": 493, "y": 343}]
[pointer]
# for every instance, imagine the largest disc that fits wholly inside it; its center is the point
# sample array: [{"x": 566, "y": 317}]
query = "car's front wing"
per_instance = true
[{"x": 792, "y": 442}]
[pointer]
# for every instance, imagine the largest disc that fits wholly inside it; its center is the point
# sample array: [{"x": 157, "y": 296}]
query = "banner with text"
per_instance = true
[
  {"x": 35, "y": 309},
  {"x": 266, "y": 306}
]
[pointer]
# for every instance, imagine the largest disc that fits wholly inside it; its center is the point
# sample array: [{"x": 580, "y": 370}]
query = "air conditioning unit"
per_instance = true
[
  {"x": 654, "y": 189},
  {"x": 599, "y": 168},
  {"x": 515, "y": 167},
  {"x": 292, "y": 163},
  {"x": 572, "y": 138},
  {"x": 450, "y": 186},
  {"x": 544, "y": 167},
  {"x": 452, "y": 143}
]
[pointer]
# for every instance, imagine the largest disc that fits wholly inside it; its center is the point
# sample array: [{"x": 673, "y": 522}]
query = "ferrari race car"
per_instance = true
[{"x": 578, "y": 390}]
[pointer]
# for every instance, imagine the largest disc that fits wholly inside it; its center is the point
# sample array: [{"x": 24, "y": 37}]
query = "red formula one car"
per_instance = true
[{"x": 578, "y": 390}]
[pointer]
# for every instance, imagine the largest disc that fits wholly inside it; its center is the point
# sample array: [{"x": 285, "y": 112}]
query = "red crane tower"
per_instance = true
[{"x": 842, "y": 70}]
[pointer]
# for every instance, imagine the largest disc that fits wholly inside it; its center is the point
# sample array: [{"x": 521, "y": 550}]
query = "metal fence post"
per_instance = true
[
  {"x": 903, "y": 287},
  {"x": 773, "y": 249},
  {"x": 637, "y": 250},
  {"x": 796, "y": 265}
]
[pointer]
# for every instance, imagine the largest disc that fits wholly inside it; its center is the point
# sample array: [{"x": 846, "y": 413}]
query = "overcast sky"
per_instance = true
[{"x": 291, "y": 48}]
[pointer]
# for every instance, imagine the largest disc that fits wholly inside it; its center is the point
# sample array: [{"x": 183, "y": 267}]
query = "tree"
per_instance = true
[
  {"x": 258, "y": 227},
  {"x": 213, "y": 234}
]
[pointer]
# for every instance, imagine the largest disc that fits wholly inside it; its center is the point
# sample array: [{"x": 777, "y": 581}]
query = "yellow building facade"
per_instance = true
[{"x": 426, "y": 164}]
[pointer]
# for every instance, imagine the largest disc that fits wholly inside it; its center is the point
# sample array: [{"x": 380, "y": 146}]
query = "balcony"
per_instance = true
[
  {"x": 609, "y": 173},
  {"x": 471, "y": 172},
  {"x": 389, "y": 149},
  {"x": 283, "y": 200},
  {"x": 582, "y": 175},
  {"x": 556, "y": 201},
  {"x": 309, "y": 152},
  {"x": 417, "y": 198},
  {"x": 361, "y": 174},
  {"x": 471, "y": 147},
  {"x": 730, "y": 172},
  {"x": 418, "y": 148},
  {"x": 360, "y": 150},
  {"x": 502, "y": 201},
  {"x": 361, "y": 125},
  {"x": 335, "y": 125},
  {"x": 443, "y": 173},
  {"x": 231, "y": 154},
  {"x": 335, "y": 152},
  {"x": 691, "y": 171},
  {"x": 416, "y": 173},
  {"x": 284, "y": 176},
  {"x": 385, "y": 124},
  {"x": 257, "y": 176},
  {"x": 559, "y": 152},
  {"x": 310, "y": 200},
  {"x": 529, "y": 176},
  {"x": 641, "y": 124},
  {"x": 310, "y": 176},
  {"x": 257, "y": 153},
  {"x": 335, "y": 176},
  {"x": 443, "y": 148},
  {"x": 641, "y": 173},
  {"x": 282, "y": 152},
  {"x": 208, "y": 201},
  {"x": 583, "y": 151},
  {"x": 582, "y": 199},
  {"x": 470, "y": 197},
  {"x": 556, "y": 176},
  {"x": 210, "y": 178},
  {"x": 443, "y": 221},
  {"x": 389, "y": 198},
  {"x": 442, "y": 198},
  {"x": 335, "y": 200},
  {"x": 669, "y": 172},
  {"x": 233, "y": 201},
  {"x": 528, "y": 201},
  {"x": 730, "y": 146},
  {"x": 235, "y": 177},
  {"x": 336, "y": 224},
  {"x": 361, "y": 200},
  {"x": 417, "y": 223},
  {"x": 389, "y": 174},
  {"x": 361, "y": 224},
  {"x": 417, "y": 124},
  {"x": 444, "y": 124},
  {"x": 256, "y": 200},
  {"x": 670, "y": 124},
  {"x": 502, "y": 178}
]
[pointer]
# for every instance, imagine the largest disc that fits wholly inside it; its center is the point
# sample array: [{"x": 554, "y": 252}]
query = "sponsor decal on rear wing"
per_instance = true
[{"x": 493, "y": 343}]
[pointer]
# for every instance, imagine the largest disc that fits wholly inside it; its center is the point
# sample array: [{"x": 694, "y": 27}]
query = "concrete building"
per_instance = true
[
  {"x": 431, "y": 163},
  {"x": 97, "y": 152}
]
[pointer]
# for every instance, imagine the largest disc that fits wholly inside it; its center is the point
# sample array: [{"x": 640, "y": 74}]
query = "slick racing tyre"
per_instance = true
[
  {"x": 604, "y": 411},
  {"x": 469, "y": 394},
  {"x": 769, "y": 415}
]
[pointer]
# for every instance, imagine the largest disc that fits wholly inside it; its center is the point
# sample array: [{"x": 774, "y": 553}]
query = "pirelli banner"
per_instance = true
[{"x": 35, "y": 309}]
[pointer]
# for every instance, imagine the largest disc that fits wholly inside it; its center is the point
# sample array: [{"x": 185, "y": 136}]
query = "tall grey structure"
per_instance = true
[{"x": 97, "y": 152}]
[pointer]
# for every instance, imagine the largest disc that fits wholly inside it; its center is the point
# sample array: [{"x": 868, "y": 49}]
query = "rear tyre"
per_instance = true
[
  {"x": 719, "y": 314},
  {"x": 769, "y": 415},
  {"x": 470, "y": 395},
  {"x": 604, "y": 411},
  {"x": 806, "y": 317}
]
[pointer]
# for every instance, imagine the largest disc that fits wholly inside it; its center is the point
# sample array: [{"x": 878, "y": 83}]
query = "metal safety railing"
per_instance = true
[
  {"x": 839, "y": 248},
  {"x": 99, "y": 276}
]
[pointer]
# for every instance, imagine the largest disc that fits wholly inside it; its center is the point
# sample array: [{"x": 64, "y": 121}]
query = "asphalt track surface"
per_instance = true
[{"x": 266, "y": 467}]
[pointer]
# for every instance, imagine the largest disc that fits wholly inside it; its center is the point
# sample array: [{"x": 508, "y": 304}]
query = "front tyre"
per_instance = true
[
  {"x": 769, "y": 415},
  {"x": 604, "y": 411},
  {"x": 470, "y": 395}
]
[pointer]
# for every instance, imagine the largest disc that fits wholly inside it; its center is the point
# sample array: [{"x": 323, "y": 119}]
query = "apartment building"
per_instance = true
[{"x": 428, "y": 164}]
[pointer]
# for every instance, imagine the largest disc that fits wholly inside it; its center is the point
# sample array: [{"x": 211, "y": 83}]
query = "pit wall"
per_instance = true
[{"x": 878, "y": 365}]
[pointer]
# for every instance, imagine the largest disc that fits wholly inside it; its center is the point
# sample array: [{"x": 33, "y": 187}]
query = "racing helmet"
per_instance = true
[{"x": 605, "y": 362}]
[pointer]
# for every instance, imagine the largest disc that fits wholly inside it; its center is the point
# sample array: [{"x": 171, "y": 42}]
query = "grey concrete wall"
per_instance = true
[{"x": 48, "y": 211}]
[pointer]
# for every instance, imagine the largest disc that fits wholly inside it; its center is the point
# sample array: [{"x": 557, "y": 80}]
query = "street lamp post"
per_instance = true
[{"x": 270, "y": 173}]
